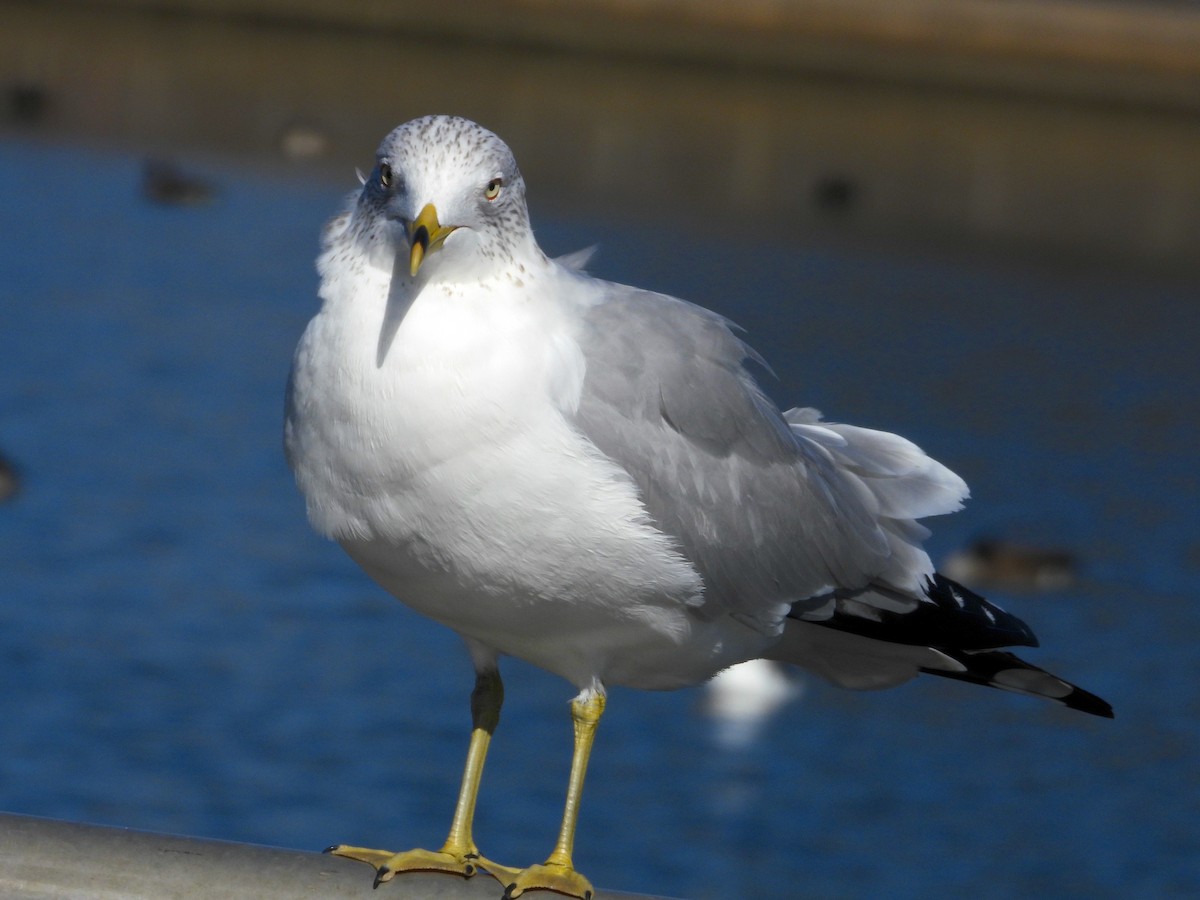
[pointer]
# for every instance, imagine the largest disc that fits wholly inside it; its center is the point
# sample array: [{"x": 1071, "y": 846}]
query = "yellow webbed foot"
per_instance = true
[
  {"x": 506, "y": 875},
  {"x": 549, "y": 876},
  {"x": 387, "y": 863}
]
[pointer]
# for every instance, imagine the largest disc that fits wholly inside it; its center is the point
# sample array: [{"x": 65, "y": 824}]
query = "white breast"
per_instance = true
[{"x": 451, "y": 474}]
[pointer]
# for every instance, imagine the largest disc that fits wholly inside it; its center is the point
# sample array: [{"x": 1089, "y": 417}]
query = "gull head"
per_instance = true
[{"x": 446, "y": 201}]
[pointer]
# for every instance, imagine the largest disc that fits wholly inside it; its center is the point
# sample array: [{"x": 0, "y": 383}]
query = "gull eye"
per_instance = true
[
  {"x": 385, "y": 174},
  {"x": 492, "y": 191}
]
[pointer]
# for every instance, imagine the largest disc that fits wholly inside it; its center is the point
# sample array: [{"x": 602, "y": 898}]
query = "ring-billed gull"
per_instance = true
[{"x": 585, "y": 475}]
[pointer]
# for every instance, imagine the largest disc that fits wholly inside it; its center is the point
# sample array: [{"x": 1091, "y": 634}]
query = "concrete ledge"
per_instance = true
[{"x": 46, "y": 858}]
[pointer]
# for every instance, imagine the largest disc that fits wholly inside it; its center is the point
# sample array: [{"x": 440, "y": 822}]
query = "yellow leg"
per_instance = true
[
  {"x": 558, "y": 873},
  {"x": 459, "y": 854}
]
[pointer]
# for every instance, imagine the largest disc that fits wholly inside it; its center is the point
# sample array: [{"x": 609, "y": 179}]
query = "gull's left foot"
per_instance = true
[
  {"x": 549, "y": 876},
  {"x": 386, "y": 863}
]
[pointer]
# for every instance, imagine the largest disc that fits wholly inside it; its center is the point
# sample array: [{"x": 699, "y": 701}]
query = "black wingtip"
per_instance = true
[
  {"x": 1087, "y": 702},
  {"x": 981, "y": 624},
  {"x": 1008, "y": 672}
]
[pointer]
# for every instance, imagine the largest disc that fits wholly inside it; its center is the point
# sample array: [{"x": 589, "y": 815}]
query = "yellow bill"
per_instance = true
[{"x": 425, "y": 234}]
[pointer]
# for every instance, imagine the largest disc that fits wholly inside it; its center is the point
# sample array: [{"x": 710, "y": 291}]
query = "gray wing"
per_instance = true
[{"x": 775, "y": 512}]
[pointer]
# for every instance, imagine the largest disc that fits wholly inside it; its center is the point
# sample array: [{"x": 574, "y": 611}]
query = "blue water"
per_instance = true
[{"x": 179, "y": 652}]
